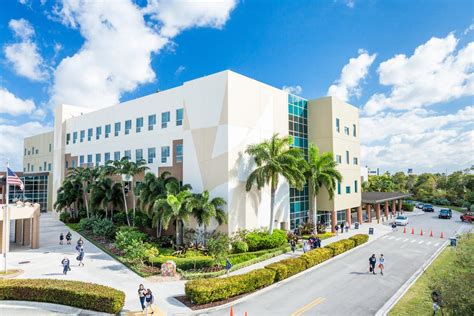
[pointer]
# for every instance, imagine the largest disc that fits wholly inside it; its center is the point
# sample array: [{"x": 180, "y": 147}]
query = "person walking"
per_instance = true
[
  {"x": 342, "y": 228},
  {"x": 305, "y": 246},
  {"x": 79, "y": 245},
  {"x": 61, "y": 238},
  {"x": 228, "y": 266},
  {"x": 347, "y": 227},
  {"x": 372, "y": 262},
  {"x": 68, "y": 238},
  {"x": 381, "y": 263},
  {"x": 65, "y": 262},
  {"x": 318, "y": 242},
  {"x": 149, "y": 300},
  {"x": 80, "y": 257},
  {"x": 336, "y": 227},
  {"x": 141, "y": 295},
  {"x": 293, "y": 245}
]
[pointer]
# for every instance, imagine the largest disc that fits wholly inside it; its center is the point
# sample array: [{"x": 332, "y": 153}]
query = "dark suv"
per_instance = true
[
  {"x": 445, "y": 213},
  {"x": 428, "y": 208}
]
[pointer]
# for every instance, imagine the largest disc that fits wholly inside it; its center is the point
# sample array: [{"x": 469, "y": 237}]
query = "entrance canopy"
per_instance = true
[{"x": 379, "y": 197}]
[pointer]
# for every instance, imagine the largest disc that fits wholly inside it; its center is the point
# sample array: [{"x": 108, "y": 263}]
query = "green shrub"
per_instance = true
[
  {"x": 239, "y": 246},
  {"x": 64, "y": 217},
  {"x": 86, "y": 224},
  {"x": 316, "y": 256},
  {"x": 210, "y": 290},
  {"x": 218, "y": 246},
  {"x": 341, "y": 246},
  {"x": 408, "y": 207},
  {"x": 287, "y": 267},
  {"x": 360, "y": 239},
  {"x": 126, "y": 236},
  {"x": 72, "y": 293},
  {"x": 103, "y": 227},
  {"x": 138, "y": 251},
  {"x": 193, "y": 263},
  {"x": 280, "y": 269},
  {"x": 261, "y": 239}
]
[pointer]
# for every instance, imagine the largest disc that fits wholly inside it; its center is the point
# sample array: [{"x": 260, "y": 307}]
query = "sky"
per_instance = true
[{"x": 407, "y": 65}]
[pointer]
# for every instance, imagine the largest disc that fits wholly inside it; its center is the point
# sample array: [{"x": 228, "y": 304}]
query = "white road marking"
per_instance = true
[
  {"x": 384, "y": 237},
  {"x": 437, "y": 244},
  {"x": 390, "y": 238},
  {"x": 406, "y": 239},
  {"x": 413, "y": 240},
  {"x": 398, "y": 238},
  {"x": 428, "y": 243},
  {"x": 420, "y": 242}
]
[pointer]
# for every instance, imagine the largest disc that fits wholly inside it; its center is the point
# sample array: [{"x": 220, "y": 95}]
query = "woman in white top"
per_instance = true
[{"x": 381, "y": 264}]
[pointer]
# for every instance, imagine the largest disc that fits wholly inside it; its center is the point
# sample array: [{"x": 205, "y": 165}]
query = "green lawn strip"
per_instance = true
[
  {"x": 455, "y": 208},
  {"x": 417, "y": 300}
]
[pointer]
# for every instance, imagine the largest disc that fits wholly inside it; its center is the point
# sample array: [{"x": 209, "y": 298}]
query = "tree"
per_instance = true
[
  {"x": 321, "y": 171},
  {"x": 205, "y": 209},
  {"x": 87, "y": 177},
  {"x": 134, "y": 169},
  {"x": 400, "y": 181},
  {"x": 69, "y": 194},
  {"x": 381, "y": 183},
  {"x": 105, "y": 193},
  {"x": 275, "y": 158}
]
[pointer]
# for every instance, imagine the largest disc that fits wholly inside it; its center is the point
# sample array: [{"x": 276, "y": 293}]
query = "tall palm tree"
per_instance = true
[
  {"x": 85, "y": 176},
  {"x": 105, "y": 193},
  {"x": 69, "y": 194},
  {"x": 274, "y": 158},
  {"x": 134, "y": 169},
  {"x": 321, "y": 171},
  {"x": 205, "y": 209},
  {"x": 119, "y": 168}
]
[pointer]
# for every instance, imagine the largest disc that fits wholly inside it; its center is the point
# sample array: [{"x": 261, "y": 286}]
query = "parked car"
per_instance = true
[
  {"x": 419, "y": 205},
  {"x": 467, "y": 217},
  {"x": 428, "y": 208},
  {"x": 401, "y": 220},
  {"x": 445, "y": 213}
]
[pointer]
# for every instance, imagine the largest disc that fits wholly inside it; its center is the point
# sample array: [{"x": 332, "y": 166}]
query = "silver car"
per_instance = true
[{"x": 401, "y": 220}]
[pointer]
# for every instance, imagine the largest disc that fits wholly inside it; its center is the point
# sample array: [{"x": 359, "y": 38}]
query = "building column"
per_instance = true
[
  {"x": 368, "y": 208},
  {"x": 400, "y": 206},
  {"x": 386, "y": 209},
  {"x": 333, "y": 221},
  {"x": 19, "y": 231},
  {"x": 377, "y": 212},
  {"x": 348, "y": 217},
  {"x": 35, "y": 232},
  {"x": 393, "y": 208},
  {"x": 359, "y": 215},
  {"x": 26, "y": 232}
]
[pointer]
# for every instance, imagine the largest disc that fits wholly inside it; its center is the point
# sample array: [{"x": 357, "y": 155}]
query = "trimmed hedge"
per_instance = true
[
  {"x": 259, "y": 240},
  {"x": 341, "y": 246},
  {"x": 316, "y": 256},
  {"x": 190, "y": 263},
  {"x": 280, "y": 269},
  {"x": 209, "y": 290},
  {"x": 72, "y": 293},
  {"x": 360, "y": 239}
]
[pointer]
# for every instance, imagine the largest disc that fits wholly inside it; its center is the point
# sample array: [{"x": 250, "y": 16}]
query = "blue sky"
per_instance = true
[{"x": 408, "y": 65}]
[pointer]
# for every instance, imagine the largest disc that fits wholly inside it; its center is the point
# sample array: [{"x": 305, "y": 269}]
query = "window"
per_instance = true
[
  {"x": 107, "y": 130},
  {"x": 33, "y": 150},
  {"x": 98, "y": 132},
  {"x": 117, "y": 155},
  {"x": 32, "y": 168},
  {"x": 338, "y": 159},
  {"x": 67, "y": 165},
  {"x": 83, "y": 135},
  {"x": 128, "y": 154},
  {"x": 89, "y": 134},
  {"x": 348, "y": 189},
  {"x": 355, "y": 161},
  {"x": 347, "y": 157},
  {"x": 74, "y": 163},
  {"x": 138, "y": 154},
  {"x": 128, "y": 126},
  {"x": 151, "y": 122},
  {"x": 354, "y": 130},
  {"x": 40, "y": 168},
  {"x": 356, "y": 187},
  {"x": 29, "y": 152},
  {"x": 179, "y": 153},
  {"x": 97, "y": 159},
  {"x": 36, "y": 151},
  {"x": 179, "y": 117},
  {"x": 68, "y": 138},
  {"x": 117, "y": 129},
  {"x": 139, "y": 124},
  {"x": 338, "y": 125},
  {"x": 50, "y": 147},
  {"x": 74, "y": 137},
  {"x": 165, "y": 118},
  {"x": 151, "y": 154},
  {"x": 165, "y": 153},
  {"x": 24, "y": 153},
  {"x": 89, "y": 159},
  {"x": 346, "y": 130},
  {"x": 44, "y": 165},
  {"x": 49, "y": 166},
  {"x": 81, "y": 160},
  {"x": 338, "y": 187},
  {"x": 106, "y": 157},
  {"x": 28, "y": 167}
]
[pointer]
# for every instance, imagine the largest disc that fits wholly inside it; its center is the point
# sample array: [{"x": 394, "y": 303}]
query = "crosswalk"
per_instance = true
[{"x": 415, "y": 240}]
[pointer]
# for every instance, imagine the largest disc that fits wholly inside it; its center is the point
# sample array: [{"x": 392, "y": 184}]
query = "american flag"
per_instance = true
[{"x": 12, "y": 179}]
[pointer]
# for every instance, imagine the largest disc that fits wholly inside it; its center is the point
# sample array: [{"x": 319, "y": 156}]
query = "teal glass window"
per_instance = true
[
  {"x": 68, "y": 138},
  {"x": 338, "y": 187},
  {"x": 128, "y": 154},
  {"x": 179, "y": 153},
  {"x": 348, "y": 189},
  {"x": 151, "y": 154},
  {"x": 83, "y": 135},
  {"x": 117, "y": 155},
  {"x": 117, "y": 128},
  {"x": 89, "y": 134},
  {"x": 74, "y": 163},
  {"x": 49, "y": 166},
  {"x": 74, "y": 137},
  {"x": 98, "y": 132},
  {"x": 138, "y": 154},
  {"x": 128, "y": 126},
  {"x": 89, "y": 159},
  {"x": 108, "y": 129},
  {"x": 67, "y": 165},
  {"x": 97, "y": 159},
  {"x": 179, "y": 117},
  {"x": 106, "y": 157},
  {"x": 165, "y": 118},
  {"x": 81, "y": 160},
  {"x": 356, "y": 186},
  {"x": 151, "y": 122},
  {"x": 338, "y": 125},
  {"x": 165, "y": 153},
  {"x": 139, "y": 124}
]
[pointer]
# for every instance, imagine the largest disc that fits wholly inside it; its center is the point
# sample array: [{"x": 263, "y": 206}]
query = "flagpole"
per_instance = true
[{"x": 5, "y": 238}]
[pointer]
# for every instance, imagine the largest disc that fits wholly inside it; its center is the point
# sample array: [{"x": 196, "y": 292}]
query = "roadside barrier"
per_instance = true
[
  {"x": 405, "y": 230},
  {"x": 231, "y": 311},
  {"x": 442, "y": 235},
  {"x": 431, "y": 233},
  {"x": 421, "y": 232},
  {"x": 412, "y": 231}
]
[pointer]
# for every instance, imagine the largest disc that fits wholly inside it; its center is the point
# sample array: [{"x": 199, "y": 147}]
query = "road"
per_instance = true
[{"x": 344, "y": 287}]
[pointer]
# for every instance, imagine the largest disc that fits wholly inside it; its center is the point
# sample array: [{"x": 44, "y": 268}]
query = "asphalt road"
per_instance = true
[{"x": 344, "y": 287}]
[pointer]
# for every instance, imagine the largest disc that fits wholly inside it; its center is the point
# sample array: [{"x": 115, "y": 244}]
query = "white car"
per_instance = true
[{"x": 401, "y": 220}]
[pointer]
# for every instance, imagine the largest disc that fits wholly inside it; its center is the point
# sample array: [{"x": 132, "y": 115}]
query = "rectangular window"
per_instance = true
[
  {"x": 97, "y": 159},
  {"x": 28, "y": 167},
  {"x": 40, "y": 168},
  {"x": 107, "y": 130},
  {"x": 44, "y": 165},
  {"x": 98, "y": 132},
  {"x": 138, "y": 154},
  {"x": 151, "y": 154},
  {"x": 348, "y": 189},
  {"x": 67, "y": 165},
  {"x": 49, "y": 166},
  {"x": 354, "y": 130},
  {"x": 356, "y": 186},
  {"x": 128, "y": 126},
  {"x": 73, "y": 163},
  {"x": 50, "y": 147},
  {"x": 355, "y": 161},
  {"x": 347, "y": 157},
  {"x": 338, "y": 187},
  {"x": 117, "y": 129},
  {"x": 29, "y": 152},
  {"x": 83, "y": 135},
  {"x": 338, "y": 159},
  {"x": 106, "y": 157},
  {"x": 74, "y": 137},
  {"x": 151, "y": 122},
  {"x": 139, "y": 124},
  {"x": 24, "y": 153},
  {"x": 128, "y": 154},
  {"x": 179, "y": 117},
  {"x": 179, "y": 153},
  {"x": 33, "y": 150},
  {"x": 32, "y": 168},
  {"x": 89, "y": 159},
  {"x": 165, "y": 153},
  {"x": 117, "y": 155},
  {"x": 81, "y": 160},
  {"x": 165, "y": 118},
  {"x": 346, "y": 130},
  {"x": 89, "y": 134},
  {"x": 338, "y": 125},
  {"x": 37, "y": 150}
]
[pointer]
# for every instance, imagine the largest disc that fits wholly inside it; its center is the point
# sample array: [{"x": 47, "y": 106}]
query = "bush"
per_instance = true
[
  {"x": 408, "y": 207},
  {"x": 239, "y": 246},
  {"x": 86, "y": 224},
  {"x": 192, "y": 263},
  {"x": 341, "y": 246},
  {"x": 72, "y": 293},
  {"x": 218, "y": 246},
  {"x": 316, "y": 256},
  {"x": 138, "y": 251},
  {"x": 287, "y": 267},
  {"x": 126, "y": 236},
  {"x": 280, "y": 269},
  {"x": 64, "y": 217},
  {"x": 360, "y": 239},
  {"x": 103, "y": 227},
  {"x": 261, "y": 239},
  {"x": 210, "y": 290}
]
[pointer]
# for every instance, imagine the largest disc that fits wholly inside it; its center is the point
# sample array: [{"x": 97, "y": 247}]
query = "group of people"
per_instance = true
[
  {"x": 373, "y": 262},
  {"x": 311, "y": 243},
  {"x": 146, "y": 299},
  {"x": 80, "y": 252},
  {"x": 341, "y": 227}
]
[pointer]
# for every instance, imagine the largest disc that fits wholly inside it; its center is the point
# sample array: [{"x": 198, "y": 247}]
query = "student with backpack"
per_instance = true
[
  {"x": 68, "y": 238},
  {"x": 372, "y": 262},
  {"x": 228, "y": 266},
  {"x": 149, "y": 300},
  {"x": 66, "y": 265},
  {"x": 61, "y": 238},
  {"x": 381, "y": 264}
]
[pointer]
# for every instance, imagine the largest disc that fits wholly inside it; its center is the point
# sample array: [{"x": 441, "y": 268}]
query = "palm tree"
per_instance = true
[
  {"x": 85, "y": 176},
  {"x": 274, "y": 158},
  {"x": 119, "y": 168},
  {"x": 134, "y": 169},
  {"x": 69, "y": 193},
  {"x": 204, "y": 209},
  {"x": 105, "y": 193},
  {"x": 321, "y": 171}
]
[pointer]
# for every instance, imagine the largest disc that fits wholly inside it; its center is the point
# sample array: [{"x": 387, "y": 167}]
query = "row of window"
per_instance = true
[
  {"x": 31, "y": 167},
  {"x": 165, "y": 120},
  {"x": 35, "y": 151},
  {"x": 348, "y": 187},
  {"x": 346, "y": 128},
  {"x": 355, "y": 160}
]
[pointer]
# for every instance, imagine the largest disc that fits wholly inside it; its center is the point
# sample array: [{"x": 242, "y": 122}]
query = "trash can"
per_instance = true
[
  {"x": 371, "y": 231},
  {"x": 356, "y": 225},
  {"x": 453, "y": 241}
]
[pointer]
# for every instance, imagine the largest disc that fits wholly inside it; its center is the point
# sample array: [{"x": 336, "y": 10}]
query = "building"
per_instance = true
[{"x": 199, "y": 131}]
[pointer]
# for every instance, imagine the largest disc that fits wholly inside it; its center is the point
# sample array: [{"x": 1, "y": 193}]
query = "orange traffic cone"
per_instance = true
[
  {"x": 421, "y": 232},
  {"x": 442, "y": 235},
  {"x": 431, "y": 233},
  {"x": 413, "y": 231},
  {"x": 246, "y": 314},
  {"x": 405, "y": 230},
  {"x": 231, "y": 311}
]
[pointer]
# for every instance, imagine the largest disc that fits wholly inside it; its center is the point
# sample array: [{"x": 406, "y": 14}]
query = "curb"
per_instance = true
[
  {"x": 50, "y": 307},
  {"x": 277, "y": 284}
]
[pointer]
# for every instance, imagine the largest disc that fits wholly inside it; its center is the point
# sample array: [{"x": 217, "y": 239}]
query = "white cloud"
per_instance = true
[
  {"x": 469, "y": 29},
  {"x": 24, "y": 55},
  {"x": 350, "y": 3},
  {"x": 178, "y": 15},
  {"x": 11, "y": 141},
  {"x": 435, "y": 73},
  {"x": 348, "y": 84},
  {"x": 12, "y": 105},
  {"x": 179, "y": 70},
  {"x": 293, "y": 89}
]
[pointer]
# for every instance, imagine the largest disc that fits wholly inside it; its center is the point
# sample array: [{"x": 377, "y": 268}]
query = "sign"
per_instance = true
[{"x": 371, "y": 230}]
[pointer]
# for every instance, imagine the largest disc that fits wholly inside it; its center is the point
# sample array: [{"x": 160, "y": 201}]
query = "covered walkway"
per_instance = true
[{"x": 391, "y": 202}]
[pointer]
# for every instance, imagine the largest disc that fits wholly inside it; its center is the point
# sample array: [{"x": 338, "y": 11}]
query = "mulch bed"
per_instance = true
[{"x": 185, "y": 300}]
